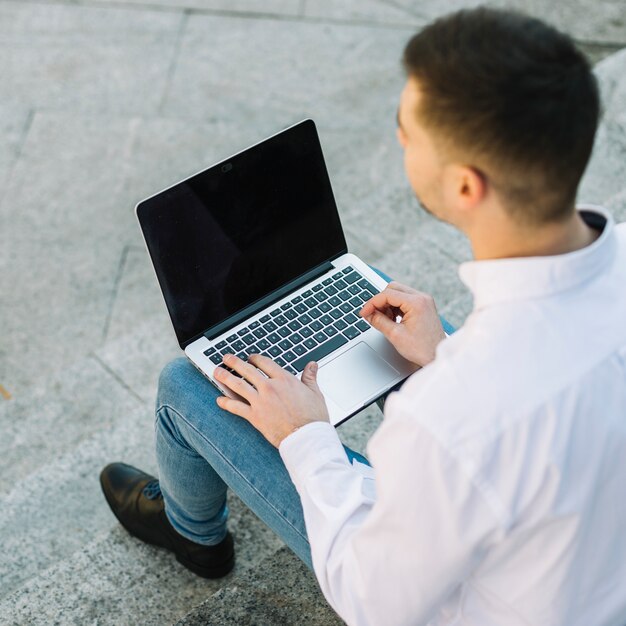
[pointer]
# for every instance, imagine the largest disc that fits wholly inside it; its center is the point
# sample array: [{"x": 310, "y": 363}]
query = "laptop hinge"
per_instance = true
[{"x": 268, "y": 300}]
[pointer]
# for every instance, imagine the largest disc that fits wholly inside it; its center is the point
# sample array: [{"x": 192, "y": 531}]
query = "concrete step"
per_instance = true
[
  {"x": 66, "y": 557},
  {"x": 115, "y": 579},
  {"x": 279, "y": 590}
]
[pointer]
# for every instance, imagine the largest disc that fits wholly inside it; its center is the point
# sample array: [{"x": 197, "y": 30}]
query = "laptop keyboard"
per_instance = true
[{"x": 307, "y": 327}]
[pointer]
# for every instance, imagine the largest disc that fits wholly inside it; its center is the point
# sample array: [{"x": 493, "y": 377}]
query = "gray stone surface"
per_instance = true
[
  {"x": 604, "y": 21},
  {"x": 229, "y": 68},
  {"x": 86, "y": 58},
  {"x": 52, "y": 421},
  {"x": 281, "y": 590},
  {"x": 117, "y": 580}
]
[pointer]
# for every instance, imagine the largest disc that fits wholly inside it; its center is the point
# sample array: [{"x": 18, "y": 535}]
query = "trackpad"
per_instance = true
[{"x": 355, "y": 376}]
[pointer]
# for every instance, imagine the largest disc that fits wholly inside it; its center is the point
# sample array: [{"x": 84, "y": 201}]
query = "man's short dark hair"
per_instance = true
[{"x": 515, "y": 94}]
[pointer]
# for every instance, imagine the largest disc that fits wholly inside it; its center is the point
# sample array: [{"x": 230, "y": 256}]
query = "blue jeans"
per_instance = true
[{"x": 202, "y": 450}]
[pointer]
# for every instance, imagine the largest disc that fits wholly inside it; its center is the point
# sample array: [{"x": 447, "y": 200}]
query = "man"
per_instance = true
[{"x": 497, "y": 489}]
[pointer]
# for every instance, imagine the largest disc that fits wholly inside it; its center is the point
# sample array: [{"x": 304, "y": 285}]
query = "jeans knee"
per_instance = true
[{"x": 172, "y": 381}]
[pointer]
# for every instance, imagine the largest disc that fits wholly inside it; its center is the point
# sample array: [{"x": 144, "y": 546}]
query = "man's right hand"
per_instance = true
[{"x": 418, "y": 333}]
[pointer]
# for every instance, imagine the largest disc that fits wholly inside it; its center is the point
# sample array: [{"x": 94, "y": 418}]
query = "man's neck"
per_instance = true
[{"x": 508, "y": 240}]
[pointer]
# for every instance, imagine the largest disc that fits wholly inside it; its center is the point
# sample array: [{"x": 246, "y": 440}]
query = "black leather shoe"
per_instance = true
[{"x": 144, "y": 517}]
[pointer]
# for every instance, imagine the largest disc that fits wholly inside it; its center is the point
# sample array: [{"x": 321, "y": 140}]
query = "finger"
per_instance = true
[
  {"x": 309, "y": 376},
  {"x": 400, "y": 287},
  {"x": 389, "y": 298},
  {"x": 266, "y": 365},
  {"x": 238, "y": 385},
  {"x": 382, "y": 323},
  {"x": 249, "y": 372},
  {"x": 234, "y": 406}
]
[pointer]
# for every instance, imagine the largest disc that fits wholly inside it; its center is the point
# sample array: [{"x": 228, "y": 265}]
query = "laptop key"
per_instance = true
[
  {"x": 289, "y": 356},
  {"x": 280, "y": 362},
  {"x": 330, "y": 331},
  {"x": 238, "y": 345},
  {"x": 330, "y": 290},
  {"x": 295, "y": 325},
  {"x": 209, "y": 352},
  {"x": 299, "y": 349},
  {"x": 345, "y": 295},
  {"x": 320, "y": 352},
  {"x": 297, "y": 299},
  {"x": 320, "y": 337},
  {"x": 301, "y": 308},
  {"x": 270, "y": 326},
  {"x": 362, "y": 325},
  {"x": 341, "y": 284},
  {"x": 351, "y": 332},
  {"x": 274, "y": 351},
  {"x": 222, "y": 344},
  {"x": 285, "y": 344},
  {"x": 265, "y": 318},
  {"x": 248, "y": 339},
  {"x": 316, "y": 325},
  {"x": 350, "y": 319},
  {"x": 305, "y": 319},
  {"x": 310, "y": 302},
  {"x": 259, "y": 333},
  {"x": 315, "y": 312},
  {"x": 327, "y": 281},
  {"x": 324, "y": 307},
  {"x": 334, "y": 301},
  {"x": 290, "y": 314},
  {"x": 254, "y": 325},
  {"x": 326, "y": 320},
  {"x": 306, "y": 332},
  {"x": 317, "y": 287},
  {"x": 347, "y": 270},
  {"x": 275, "y": 312},
  {"x": 340, "y": 325},
  {"x": 285, "y": 306},
  {"x": 243, "y": 356},
  {"x": 264, "y": 344},
  {"x": 291, "y": 370},
  {"x": 308, "y": 293},
  {"x": 346, "y": 308},
  {"x": 273, "y": 337},
  {"x": 336, "y": 314},
  {"x": 283, "y": 331},
  {"x": 352, "y": 277},
  {"x": 365, "y": 284},
  {"x": 281, "y": 320},
  {"x": 216, "y": 358},
  {"x": 295, "y": 338},
  {"x": 310, "y": 343},
  {"x": 365, "y": 296},
  {"x": 337, "y": 275},
  {"x": 354, "y": 289},
  {"x": 243, "y": 332},
  {"x": 355, "y": 302},
  {"x": 321, "y": 296}
]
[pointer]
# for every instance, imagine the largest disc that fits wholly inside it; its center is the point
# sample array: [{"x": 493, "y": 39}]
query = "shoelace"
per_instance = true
[{"x": 152, "y": 490}]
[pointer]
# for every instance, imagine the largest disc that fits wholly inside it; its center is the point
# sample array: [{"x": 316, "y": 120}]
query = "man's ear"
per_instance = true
[
  {"x": 471, "y": 187},
  {"x": 464, "y": 188}
]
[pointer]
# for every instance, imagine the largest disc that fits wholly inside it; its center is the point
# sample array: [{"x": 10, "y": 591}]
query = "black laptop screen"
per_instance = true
[{"x": 230, "y": 235}]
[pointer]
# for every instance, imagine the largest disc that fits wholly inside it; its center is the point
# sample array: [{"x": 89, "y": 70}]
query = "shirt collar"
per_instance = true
[{"x": 494, "y": 281}]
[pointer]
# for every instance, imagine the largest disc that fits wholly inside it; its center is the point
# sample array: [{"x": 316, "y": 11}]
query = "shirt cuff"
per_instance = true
[{"x": 310, "y": 447}]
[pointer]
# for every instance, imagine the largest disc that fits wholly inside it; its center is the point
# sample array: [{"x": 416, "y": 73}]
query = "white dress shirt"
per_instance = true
[{"x": 498, "y": 490}]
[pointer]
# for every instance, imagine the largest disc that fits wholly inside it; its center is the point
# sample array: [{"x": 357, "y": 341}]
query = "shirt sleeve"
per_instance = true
[{"x": 390, "y": 551}]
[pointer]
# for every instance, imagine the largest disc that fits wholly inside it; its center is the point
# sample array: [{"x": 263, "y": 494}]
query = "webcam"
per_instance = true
[{"x": 227, "y": 167}]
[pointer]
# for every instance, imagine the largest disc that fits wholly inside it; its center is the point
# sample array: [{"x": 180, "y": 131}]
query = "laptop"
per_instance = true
[{"x": 251, "y": 257}]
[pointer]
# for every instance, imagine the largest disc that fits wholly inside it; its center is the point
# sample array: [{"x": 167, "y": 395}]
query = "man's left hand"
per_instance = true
[{"x": 276, "y": 402}]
